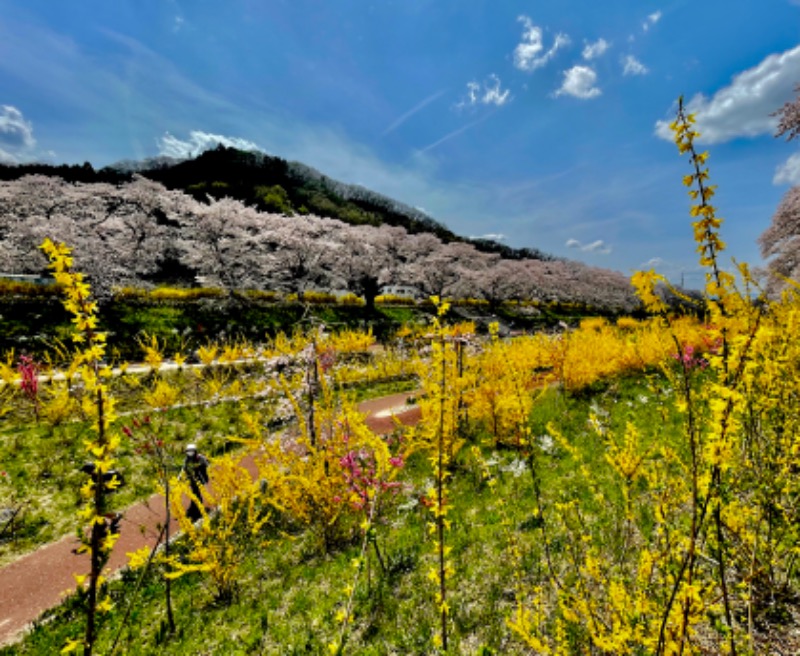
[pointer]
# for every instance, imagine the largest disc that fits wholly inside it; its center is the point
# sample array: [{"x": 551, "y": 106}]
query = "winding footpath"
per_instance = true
[{"x": 39, "y": 580}]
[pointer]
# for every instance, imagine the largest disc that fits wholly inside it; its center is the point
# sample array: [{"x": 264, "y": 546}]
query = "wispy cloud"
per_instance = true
[
  {"x": 744, "y": 107},
  {"x": 414, "y": 110},
  {"x": 579, "y": 82},
  {"x": 199, "y": 142},
  {"x": 131, "y": 86},
  {"x": 632, "y": 66},
  {"x": 788, "y": 172},
  {"x": 651, "y": 20},
  {"x": 530, "y": 54},
  {"x": 167, "y": 81},
  {"x": 488, "y": 93},
  {"x": 453, "y": 134},
  {"x": 595, "y": 49},
  {"x": 598, "y": 246},
  {"x": 16, "y": 136}
]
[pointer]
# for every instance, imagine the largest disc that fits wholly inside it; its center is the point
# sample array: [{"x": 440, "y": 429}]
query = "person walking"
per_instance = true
[{"x": 195, "y": 467}]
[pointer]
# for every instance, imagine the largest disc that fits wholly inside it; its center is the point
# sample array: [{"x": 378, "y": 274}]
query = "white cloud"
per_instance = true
[
  {"x": 744, "y": 107},
  {"x": 651, "y": 20},
  {"x": 492, "y": 236},
  {"x": 595, "y": 50},
  {"x": 198, "y": 142},
  {"x": 788, "y": 172},
  {"x": 473, "y": 91},
  {"x": 528, "y": 55},
  {"x": 16, "y": 135},
  {"x": 598, "y": 246},
  {"x": 489, "y": 93},
  {"x": 493, "y": 94},
  {"x": 632, "y": 66},
  {"x": 579, "y": 81}
]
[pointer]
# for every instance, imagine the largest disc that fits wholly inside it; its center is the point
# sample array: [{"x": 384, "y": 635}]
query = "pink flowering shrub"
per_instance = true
[
  {"x": 28, "y": 371},
  {"x": 691, "y": 358},
  {"x": 363, "y": 481}
]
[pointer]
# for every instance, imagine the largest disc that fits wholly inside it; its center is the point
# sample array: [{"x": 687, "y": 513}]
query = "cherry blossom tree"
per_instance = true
[
  {"x": 17, "y": 215},
  {"x": 227, "y": 244},
  {"x": 500, "y": 281},
  {"x": 304, "y": 254},
  {"x": 574, "y": 282},
  {"x": 367, "y": 259},
  {"x": 443, "y": 269},
  {"x": 118, "y": 234},
  {"x": 601, "y": 288},
  {"x": 789, "y": 118},
  {"x": 780, "y": 242}
]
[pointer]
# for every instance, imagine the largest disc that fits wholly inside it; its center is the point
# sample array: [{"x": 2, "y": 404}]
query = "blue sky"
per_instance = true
[{"x": 538, "y": 122}]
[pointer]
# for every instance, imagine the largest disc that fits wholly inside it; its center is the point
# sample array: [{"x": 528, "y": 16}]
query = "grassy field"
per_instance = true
[
  {"x": 41, "y": 460},
  {"x": 561, "y": 486},
  {"x": 289, "y": 589}
]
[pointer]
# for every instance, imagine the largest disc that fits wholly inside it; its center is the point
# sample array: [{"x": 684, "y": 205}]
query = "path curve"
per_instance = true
[{"x": 39, "y": 580}]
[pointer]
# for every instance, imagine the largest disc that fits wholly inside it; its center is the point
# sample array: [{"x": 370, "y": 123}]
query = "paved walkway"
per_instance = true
[{"x": 38, "y": 581}]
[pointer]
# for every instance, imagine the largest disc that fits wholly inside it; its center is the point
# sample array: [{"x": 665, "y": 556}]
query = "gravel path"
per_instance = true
[{"x": 38, "y": 581}]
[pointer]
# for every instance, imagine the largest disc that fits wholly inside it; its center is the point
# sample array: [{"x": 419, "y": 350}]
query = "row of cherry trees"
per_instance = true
[{"x": 141, "y": 231}]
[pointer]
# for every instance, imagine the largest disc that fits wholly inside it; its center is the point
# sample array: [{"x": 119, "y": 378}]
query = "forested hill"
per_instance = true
[{"x": 270, "y": 184}]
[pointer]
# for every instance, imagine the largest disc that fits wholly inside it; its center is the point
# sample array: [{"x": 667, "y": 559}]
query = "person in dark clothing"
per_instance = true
[{"x": 195, "y": 467}]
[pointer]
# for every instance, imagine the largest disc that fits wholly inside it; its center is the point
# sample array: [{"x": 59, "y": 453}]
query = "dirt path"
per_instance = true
[{"x": 39, "y": 580}]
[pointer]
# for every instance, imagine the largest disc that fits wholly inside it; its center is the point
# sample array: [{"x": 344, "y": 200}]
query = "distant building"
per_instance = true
[
  {"x": 404, "y": 291},
  {"x": 32, "y": 278}
]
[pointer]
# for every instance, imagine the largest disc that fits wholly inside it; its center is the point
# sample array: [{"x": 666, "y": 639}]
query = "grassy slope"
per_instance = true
[
  {"x": 49, "y": 485},
  {"x": 290, "y": 590}
]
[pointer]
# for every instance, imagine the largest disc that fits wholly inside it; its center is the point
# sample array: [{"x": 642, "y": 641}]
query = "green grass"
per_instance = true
[
  {"x": 42, "y": 465},
  {"x": 42, "y": 462},
  {"x": 360, "y": 393},
  {"x": 290, "y": 591}
]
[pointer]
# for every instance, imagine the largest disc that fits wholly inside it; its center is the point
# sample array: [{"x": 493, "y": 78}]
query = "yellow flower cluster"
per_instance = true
[
  {"x": 98, "y": 406},
  {"x": 709, "y": 512},
  {"x": 241, "y": 509}
]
